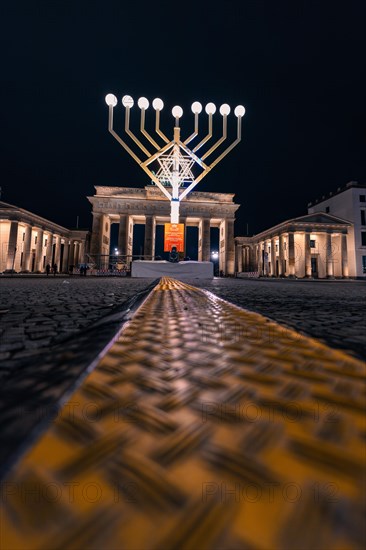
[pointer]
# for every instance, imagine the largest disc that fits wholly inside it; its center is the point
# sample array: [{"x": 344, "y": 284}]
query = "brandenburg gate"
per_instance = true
[{"x": 127, "y": 206}]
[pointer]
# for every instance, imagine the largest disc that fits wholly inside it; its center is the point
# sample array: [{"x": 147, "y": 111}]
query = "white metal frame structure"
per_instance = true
[{"x": 175, "y": 159}]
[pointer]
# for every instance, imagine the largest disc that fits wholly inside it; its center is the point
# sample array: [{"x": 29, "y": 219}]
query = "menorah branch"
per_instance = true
[{"x": 175, "y": 159}]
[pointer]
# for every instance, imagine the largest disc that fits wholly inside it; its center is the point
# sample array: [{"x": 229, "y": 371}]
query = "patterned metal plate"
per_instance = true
[{"x": 204, "y": 426}]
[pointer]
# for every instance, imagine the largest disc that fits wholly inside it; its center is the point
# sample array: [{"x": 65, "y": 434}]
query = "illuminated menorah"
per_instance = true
[{"x": 175, "y": 159}]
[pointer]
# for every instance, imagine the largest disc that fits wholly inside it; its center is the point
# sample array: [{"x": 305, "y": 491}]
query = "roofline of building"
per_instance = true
[
  {"x": 349, "y": 185},
  {"x": 293, "y": 222},
  {"x": 12, "y": 210},
  {"x": 132, "y": 189}
]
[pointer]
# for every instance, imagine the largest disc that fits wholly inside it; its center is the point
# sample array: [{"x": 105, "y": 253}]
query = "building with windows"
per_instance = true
[
  {"x": 28, "y": 242},
  {"x": 314, "y": 245},
  {"x": 330, "y": 241},
  {"x": 349, "y": 202}
]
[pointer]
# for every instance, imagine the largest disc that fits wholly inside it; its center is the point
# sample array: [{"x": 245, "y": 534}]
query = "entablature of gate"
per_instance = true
[
  {"x": 114, "y": 205},
  {"x": 151, "y": 192}
]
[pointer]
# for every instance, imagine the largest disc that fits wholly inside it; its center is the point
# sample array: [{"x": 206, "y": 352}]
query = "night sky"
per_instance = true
[{"x": 298, "y": 66}]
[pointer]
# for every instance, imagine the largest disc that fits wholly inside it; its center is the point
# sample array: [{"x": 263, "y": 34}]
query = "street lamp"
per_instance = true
[
  {"x": 175, "y": 159},
  {"x": 214, "y": 255}
]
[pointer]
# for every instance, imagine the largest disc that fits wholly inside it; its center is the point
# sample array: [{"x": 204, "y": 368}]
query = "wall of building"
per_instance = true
[{"x": 347, "y": 205}]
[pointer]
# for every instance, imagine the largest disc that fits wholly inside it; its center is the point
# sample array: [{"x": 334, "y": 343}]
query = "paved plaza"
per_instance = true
[
  {"x": 219, "y": 426},
  {"x": 39, "y": 313}
]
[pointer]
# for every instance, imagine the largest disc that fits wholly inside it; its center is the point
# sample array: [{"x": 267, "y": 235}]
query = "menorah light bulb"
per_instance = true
[
  {"x": 225, "y": 109},
  {"x": 111, "y": 100},
  {"x": 177, "y": 111},
  {"x": 127, "y": 101},
  {"x": 239, "y": 111},
  {"x": 143, "y": 103},
  {"x": 210, "y": 108},
  {"x": 158, "y": 104},
  {"x": 196, "y": 107}
]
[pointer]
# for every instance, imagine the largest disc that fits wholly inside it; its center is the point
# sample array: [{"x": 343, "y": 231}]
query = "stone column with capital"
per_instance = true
[
  {"x": 329, "y": 256},
  {"x": 149, "y": 242},
  {"x": 260, "y": 258},
  {"x": 239, "y": 258},
  {"x": 291, "y": 254},
  {"x": 38, "y": 266},
  {"x": 49, "y": 249},
  {"x": 206, "y": 244},
  {"x": 273, "y": 257},
  {"x": 204, "y": 240},
  {"x": 57, "y": 252},
  {"x": 281, "y": 270},
  {"x": 72, "y": 253},
  {"x": 12, "y": 246},
  {"x": 82, "y": 252},
  {"x": 96, "y": 236},
  {"x": 27, "y": 248},
  {"x": 230, "y": 248},
  {"x": 265, "y": 259},
  {"x": 123, "y": 234},
  {"x": 65, "y": 257},
  {"x": 344, "y": 256},
  {"x": 307, "y": 255},
  {"x": 76, "y": 253}
]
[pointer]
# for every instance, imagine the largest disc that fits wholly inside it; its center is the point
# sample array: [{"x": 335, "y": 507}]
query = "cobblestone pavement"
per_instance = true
[
  {"x": 38, "y": 313},
  {"x": 333, "y": 311},
  {"x": 51, "y": 330}
]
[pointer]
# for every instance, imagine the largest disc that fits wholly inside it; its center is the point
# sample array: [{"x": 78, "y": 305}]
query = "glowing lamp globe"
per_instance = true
[
  {"x": 143, "y": 103},
  {"x": 127, "y": 101},
  {"x": 225, "y": 109},
  {"x": 177, "y": 111},
  {"x": 239, "y": 111},
  {"x": 196, "y": 108},
  {"x": 210, "y": 108},
  {"x": 158, "y": 104},
  {"x": 111, "y": 100}
]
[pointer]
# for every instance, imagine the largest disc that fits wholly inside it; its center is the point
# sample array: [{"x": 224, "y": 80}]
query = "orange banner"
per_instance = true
[{"x": 174, "y": 236}]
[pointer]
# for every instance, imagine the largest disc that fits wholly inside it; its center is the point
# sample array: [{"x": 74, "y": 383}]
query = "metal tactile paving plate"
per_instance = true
[{"x": 205, "y": 426}]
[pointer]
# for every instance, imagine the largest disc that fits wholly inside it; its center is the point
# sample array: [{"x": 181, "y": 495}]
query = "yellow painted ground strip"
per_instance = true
[{"x": 204, "y": 426}]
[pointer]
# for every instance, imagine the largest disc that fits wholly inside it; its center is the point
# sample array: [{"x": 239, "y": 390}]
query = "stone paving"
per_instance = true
[
  {"x": 332, "y": 311},
  {"x": 52, "y": 330},
  {"x": 38, "y": 313}
]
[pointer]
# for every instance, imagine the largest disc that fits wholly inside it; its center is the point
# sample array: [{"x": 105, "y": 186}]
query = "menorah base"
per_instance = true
[{"x": 181, "y": 270}]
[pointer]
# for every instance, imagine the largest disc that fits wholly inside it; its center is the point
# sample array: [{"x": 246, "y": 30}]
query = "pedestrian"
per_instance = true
[
  {"x": 48, "y": 269},
  {"x": 54, "y": 269}
]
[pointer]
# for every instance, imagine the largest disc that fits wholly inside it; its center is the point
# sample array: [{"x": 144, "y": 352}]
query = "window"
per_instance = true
[
  {"x": 363, "y": 238},
  {"x": 362, "y": 198},
  {"x": 45, "y": 242},
  {"x": 327, "y": 209},
  {"x": 23, "y": 237},
  {"x": 363, "y": 217},
  {"x": 363, "y": 264},
  {"x": 35, "y": 239},
  {"x": 312, "y": 243},
  {"x": 276, "y": 247}
]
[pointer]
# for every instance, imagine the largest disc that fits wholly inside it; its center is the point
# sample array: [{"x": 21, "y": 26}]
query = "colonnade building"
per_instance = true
[
  {"x": 29, "y": 242},
  {"x": 330, "y": 241},
  {"x": 314, "y": 245},
  {"x": 128, "y": 206}
]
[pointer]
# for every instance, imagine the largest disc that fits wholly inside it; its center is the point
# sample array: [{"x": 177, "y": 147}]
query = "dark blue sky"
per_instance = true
[{"x": 298, "y": 66}]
